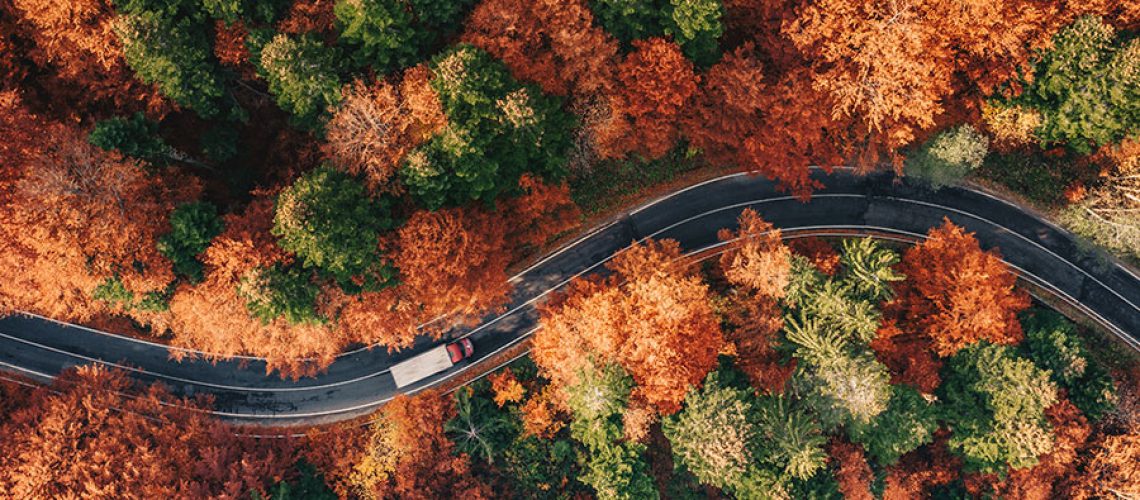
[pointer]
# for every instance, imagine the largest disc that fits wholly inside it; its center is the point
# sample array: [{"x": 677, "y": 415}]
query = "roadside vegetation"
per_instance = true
[
  {"x": 289, "y": 178},
  {"x": 823, "y": 369}
]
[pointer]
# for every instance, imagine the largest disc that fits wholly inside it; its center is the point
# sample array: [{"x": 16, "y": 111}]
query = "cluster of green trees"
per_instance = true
[
  {"x": 497, "y": 130},
  {"x": 695, "y": 25},
  {"x": 1087, "y": 86}
]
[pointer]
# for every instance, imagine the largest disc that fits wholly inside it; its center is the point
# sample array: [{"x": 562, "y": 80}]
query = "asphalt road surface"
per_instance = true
[{"x": 359, "y": 381}]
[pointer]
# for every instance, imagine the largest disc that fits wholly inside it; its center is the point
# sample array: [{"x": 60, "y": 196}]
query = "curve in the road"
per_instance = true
[{"x": 357, "y": 382}]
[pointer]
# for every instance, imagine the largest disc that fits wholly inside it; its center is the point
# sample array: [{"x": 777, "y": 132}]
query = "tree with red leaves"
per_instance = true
[
  {"x": 955, "y": 294},
  {"x": 87, "y": 436},
  {"x": 554, "y": 43},
  {"x": 727, "y": 107},
  {"x": 654, "y": 85},
  {"x": 851, "y": 470}
]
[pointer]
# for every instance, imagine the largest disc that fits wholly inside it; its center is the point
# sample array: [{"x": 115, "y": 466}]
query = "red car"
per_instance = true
[{"x": 460, "y": 350}]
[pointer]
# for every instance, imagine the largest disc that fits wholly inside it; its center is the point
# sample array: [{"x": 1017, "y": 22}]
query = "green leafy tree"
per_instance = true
[
  {"x": 868, "y": 269},
  {"x": 192, "y": 226},
  {"x": 844, "y": 390},
  {"x": 133, "y": 136},
  {"x": 1087, "y": 86},
  {"x": 539, "y": 467},
  {"x": 994, "y": 402},
  {"x": 908, "y": 422},
  {"x": 388, "y": 34},
  {"x": 834, "y": 306},
  {"x": 696, "y": 27},
  {"x": 113, "y": 291},
  {"x": 715, "y": 439},
  {"x": 629, "y": 20},
  {"x": 949, "y": 157},
  {"x": 480, "y": 428},
  {"x": 330, "y": 222},
  {"x": 303, "y": 76},
  {"x": 497, "y": 130},
  {"x": 308, "y": 485},
  {"x": 252, "y": 11},
  {"x": 280, "y": 292},
  {"x": 614, "y": 468},
  {"x": 174, "y": 54},
  {"x": 1051, "y": 341},
  {"x": 220, "y": 143},
  {"x": 792, "y": 439}
]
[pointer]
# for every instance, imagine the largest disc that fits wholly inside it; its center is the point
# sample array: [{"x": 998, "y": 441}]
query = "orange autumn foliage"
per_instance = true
[
  {"x": 817, "y": 250},
  {"x": 752, "y": 323},
  {"x": 919, "y": 471},
  {"x": 85, "y": 436},
  {"x": 892, "y": 65},
  {"x": 1111, "y": 469},
  {"x": 334, "y": 451},
  {"x": 81, "y": 57},
  {"x": 1039, "y": 482},
  {"x": 909, "y": 357},
  {"x": 540, "y": 213},
  {"x": 955, "y": 294},
  {"x": 409, "y": 456},
  {"x": 652, "y": 316},
  {"x": 231, "y": 50},
  {"x": 376, "y": 125},
  {"x": 541, "y": 417},
  {"x": 452, "y": 265},
  {"x": 506, "y": 387},
  {"x": 308, "y": 16},
  {"x": 554, "y": 43},
  {"x": 755, "y": 257},
  {"x": 654, "y": 85},
  {"x": 808, "y": 135},
  {"x": 851, "y": 470},
  {"x": 76, "y": 215}
]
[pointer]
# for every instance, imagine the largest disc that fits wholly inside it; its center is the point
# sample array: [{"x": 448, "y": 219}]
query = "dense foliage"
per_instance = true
[{"x": 286, "y": 178}]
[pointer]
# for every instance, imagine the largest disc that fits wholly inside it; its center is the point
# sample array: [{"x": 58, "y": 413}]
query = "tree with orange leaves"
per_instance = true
[
  {"x": 542, "y": 211},
  {"x": 87, "y": 436},
  {"x": 755, "y": 257},
  {"x": 76, "y": 216},
  {"x": 452, "y": 266},
  {"x": 376, "y": 125},
  {"x": 955, "y": 294},
  {"x": 654, "y": 84},
  {"x": 1112, "y": 469},
  {"x": 453, "y": 261},
  {"x": 554, "y": 43},
  {"x": 76, "y": 44},
  {"x": 652, "y": 317},
  {"x": 409, "y": 456},
  {"x": 891, "y": 63}
]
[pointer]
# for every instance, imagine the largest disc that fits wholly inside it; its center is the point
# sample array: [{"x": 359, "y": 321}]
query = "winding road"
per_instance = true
[{"x": 1042, "y": 253}]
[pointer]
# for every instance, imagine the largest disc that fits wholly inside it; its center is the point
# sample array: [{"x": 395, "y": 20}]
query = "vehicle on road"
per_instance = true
[{"x": 431, "y": 362}]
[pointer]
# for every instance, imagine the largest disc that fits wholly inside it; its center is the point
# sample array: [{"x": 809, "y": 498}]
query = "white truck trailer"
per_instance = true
[{"x": 431, "y": 362}]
